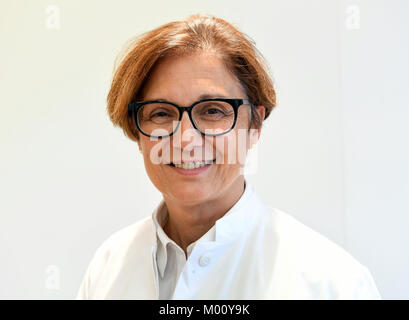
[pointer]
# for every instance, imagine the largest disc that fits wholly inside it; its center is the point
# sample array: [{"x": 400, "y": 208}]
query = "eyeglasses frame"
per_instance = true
[{"x": 134, "y": 107}]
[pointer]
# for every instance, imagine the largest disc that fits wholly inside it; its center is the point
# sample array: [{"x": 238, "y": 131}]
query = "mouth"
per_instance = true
[{"x": 191, "y": 165}]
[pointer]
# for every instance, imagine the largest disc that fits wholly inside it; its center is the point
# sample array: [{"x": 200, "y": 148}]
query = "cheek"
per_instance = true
[
  {"x": 152, "y": 151},
  {"x": 155, "y": 152},
  {"x": 231, "y": 149}
]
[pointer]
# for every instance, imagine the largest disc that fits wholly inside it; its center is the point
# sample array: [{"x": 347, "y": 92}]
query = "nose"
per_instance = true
[
  {"x": 185, "y": 123},
  {"x": 189, "y": 135}
]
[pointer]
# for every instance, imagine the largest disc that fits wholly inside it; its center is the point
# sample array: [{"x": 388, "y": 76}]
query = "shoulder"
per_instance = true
[
  {"x": 302, "y": 243},
  {"x": 118, "y": 243},
  {"x": 113, "y": 253},
  {"x": 140, "y": 229},
  {"x": 319, "y": 262},
  {"x": 304, "y": 239}
]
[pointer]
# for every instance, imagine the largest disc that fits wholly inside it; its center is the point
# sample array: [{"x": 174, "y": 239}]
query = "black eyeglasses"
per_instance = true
[{"x": 160, "y": 118}]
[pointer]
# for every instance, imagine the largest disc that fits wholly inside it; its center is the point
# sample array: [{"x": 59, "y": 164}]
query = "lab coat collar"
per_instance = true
[
  {"x": 234, "y": 222},
  {"x": 231, "y": 225},
  {"x": 164, "y": 243},
  {"x": 159, "y": 218}
]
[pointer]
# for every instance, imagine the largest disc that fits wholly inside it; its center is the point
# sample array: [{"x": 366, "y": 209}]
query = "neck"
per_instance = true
[{"x": 188, "y": 223}]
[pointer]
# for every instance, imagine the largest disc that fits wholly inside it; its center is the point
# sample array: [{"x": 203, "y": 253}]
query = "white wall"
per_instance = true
[
  {"x": 334, "y": 153},
  {"x": 375, "y": 91}
]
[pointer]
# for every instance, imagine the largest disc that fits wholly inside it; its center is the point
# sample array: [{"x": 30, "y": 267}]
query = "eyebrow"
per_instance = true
[
  {"x": 201, "y": 97},
  {"x": 211, "y": 96}
]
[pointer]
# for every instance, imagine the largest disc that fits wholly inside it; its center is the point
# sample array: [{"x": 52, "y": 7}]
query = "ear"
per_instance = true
[
  {"x": 135, "y": 133},
  {"x": 262, "y": 114},
  {"x": 139, "y": 144},
  {"x": 255, "y": 133}
]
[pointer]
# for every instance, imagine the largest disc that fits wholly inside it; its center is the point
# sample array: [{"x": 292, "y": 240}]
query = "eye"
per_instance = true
[
  {"x": 159, "y": 114},
  {"x": 214, "y": 111}
]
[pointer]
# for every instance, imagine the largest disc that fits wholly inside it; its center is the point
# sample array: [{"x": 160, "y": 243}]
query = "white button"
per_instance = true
[{"x": 204, "y": 260}]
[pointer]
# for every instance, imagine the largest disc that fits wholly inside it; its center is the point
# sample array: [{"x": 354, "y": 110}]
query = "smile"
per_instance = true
[
  {"x": 191, "y": 168},
  {"x": 192, "y": 164}
]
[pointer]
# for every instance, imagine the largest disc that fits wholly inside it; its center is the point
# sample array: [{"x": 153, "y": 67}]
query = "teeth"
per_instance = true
[{"x": 192, "y": 165}]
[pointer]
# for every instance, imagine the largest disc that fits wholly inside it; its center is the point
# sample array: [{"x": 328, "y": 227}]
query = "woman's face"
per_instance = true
[{"x": 184, "y": 80}]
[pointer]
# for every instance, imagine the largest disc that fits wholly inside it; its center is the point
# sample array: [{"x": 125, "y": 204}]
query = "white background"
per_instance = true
[{"x": 334, "y": 153}]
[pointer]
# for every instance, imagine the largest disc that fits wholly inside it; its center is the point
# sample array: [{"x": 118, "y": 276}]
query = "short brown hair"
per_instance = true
[{"x": 196, "y": 33}]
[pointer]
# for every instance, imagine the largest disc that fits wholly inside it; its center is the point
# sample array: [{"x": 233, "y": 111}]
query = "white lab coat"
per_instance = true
[{"x": 259, "y": 253}]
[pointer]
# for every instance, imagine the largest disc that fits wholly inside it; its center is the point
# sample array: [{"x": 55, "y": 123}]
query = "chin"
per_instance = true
[{"x": 188, "y": 193}]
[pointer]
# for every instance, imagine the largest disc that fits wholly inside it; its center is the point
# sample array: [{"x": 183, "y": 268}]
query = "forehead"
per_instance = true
[{"x": 183, "y": 79}]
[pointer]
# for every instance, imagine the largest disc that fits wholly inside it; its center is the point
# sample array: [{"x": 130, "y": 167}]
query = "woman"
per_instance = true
[{"x": 211, "y": 237}]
